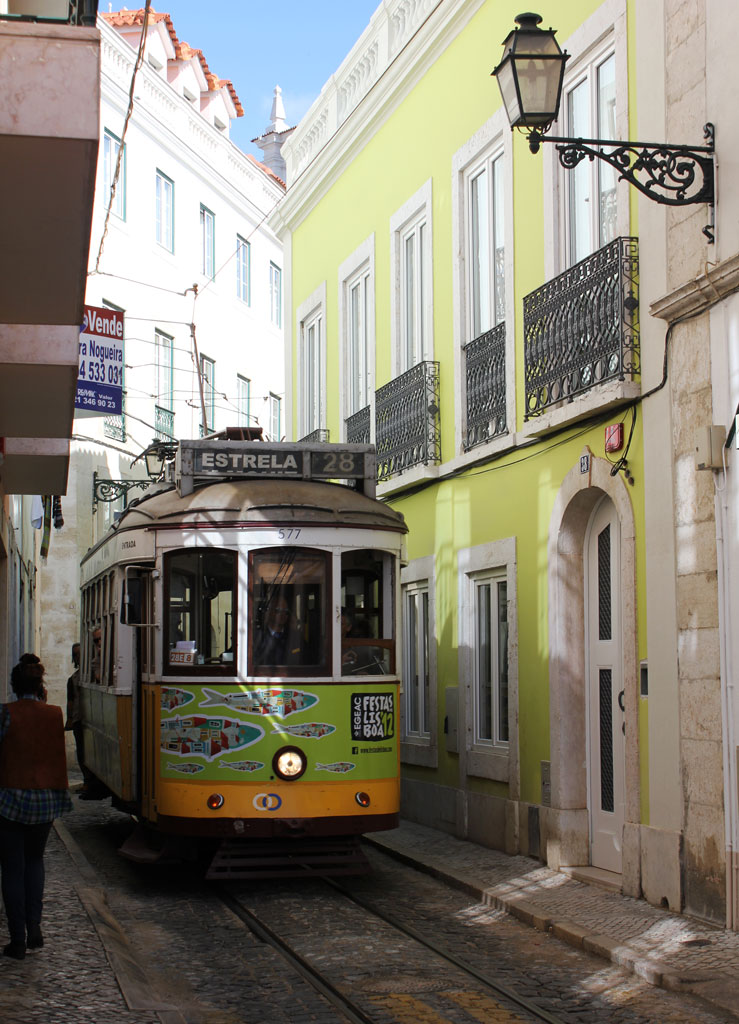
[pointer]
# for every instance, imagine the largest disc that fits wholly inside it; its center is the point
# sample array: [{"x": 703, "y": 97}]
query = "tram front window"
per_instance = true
[
  {"x": 288, "y": 627},
  {"x": 200, "y": 617},
  {"x": 367, "y": 626}
]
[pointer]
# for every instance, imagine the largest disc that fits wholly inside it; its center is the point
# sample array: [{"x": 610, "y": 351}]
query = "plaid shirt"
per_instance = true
[{"x": 30, "y": 806}]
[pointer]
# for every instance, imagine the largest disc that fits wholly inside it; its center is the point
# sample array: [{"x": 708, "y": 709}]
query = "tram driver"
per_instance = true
[{"x": 277, "y": 641}]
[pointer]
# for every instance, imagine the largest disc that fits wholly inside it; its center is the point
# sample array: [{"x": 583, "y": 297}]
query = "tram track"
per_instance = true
[{"x": 507, "y": 1000}]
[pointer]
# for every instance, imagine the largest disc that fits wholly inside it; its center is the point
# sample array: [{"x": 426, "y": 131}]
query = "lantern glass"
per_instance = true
[
  {"x": 530, "y": 74},
  {"x": 154, "y": 463}
]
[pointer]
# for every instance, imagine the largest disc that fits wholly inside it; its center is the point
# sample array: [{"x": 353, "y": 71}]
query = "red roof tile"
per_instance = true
[{"x": 127, "y": 19}]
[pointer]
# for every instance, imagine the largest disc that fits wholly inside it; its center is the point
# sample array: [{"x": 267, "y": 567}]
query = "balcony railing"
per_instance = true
[
  {"x": 163, "y": 423},
  {"x": 115, "y": 426},
  {"x": 407, "y": 420},
  {"x": 358, "y": 427},
  {"x": 72, "y": 12},
  {"x": 582, "y": 328},
  {"x": 486, "y": 387},
  {"x": 318, "y": 436}
]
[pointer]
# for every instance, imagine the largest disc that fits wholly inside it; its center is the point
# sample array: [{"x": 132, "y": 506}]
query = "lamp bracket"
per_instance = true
[
  {"x": 670, "y": 175},
  {"x": 112, "y": 490}
]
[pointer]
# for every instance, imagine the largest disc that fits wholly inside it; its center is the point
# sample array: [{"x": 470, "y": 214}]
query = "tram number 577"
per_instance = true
[{"x": 291, "y": 534}]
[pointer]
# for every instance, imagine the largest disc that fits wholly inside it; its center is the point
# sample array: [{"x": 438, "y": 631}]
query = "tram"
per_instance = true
[{"x": 239, "y": 671}]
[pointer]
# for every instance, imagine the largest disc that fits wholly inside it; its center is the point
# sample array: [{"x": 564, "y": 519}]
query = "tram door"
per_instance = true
[
  {"x": 605, "y": 688},
  {"x": 146, "y": 709}
]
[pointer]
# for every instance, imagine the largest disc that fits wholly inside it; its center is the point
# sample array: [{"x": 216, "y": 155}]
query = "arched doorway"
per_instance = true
[
  {"x": 604, "y": 692},
  {"x": 590, "y": 501}
]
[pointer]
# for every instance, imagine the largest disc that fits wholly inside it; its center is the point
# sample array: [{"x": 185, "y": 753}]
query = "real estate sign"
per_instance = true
[{"x": 100, "y": 376}]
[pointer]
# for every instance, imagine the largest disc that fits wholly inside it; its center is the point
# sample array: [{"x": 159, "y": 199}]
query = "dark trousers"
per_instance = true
[
  {"x": 22, "y": 862},
  {"x": 79, "y": 742}
]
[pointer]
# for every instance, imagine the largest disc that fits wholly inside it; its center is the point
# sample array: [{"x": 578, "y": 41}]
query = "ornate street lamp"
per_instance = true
[{"x": 530, "y": 79}]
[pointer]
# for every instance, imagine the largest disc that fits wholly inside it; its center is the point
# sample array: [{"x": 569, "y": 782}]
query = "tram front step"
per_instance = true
[{"x": 288, "y": 858}]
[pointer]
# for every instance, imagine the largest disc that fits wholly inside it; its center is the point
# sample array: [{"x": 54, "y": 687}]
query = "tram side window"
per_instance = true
[
  {"x": 200, "y": 600},
  {"x": 367, "y": 622},
  {"x": 98, "y": 631},
  {"x": 288, "y": 612}
]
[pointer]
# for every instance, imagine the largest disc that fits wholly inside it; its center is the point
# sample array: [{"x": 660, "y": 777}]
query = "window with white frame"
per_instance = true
[
  {"x": 488, "y": 656},
  {"x": 275, "y": 294},
  {"x": 412, "y": 296},
  {"x": 311, "y": 379},
  {"x": 418, "y": 631},
  {"x": 589, "y": 105},
  {"x": 356, "y": 281},
  {"x": 485, "y": 216},
  {"x": 358, "y": 341},
  {"x": 274, "y": 412},
  {"x": 416, "y": 676},
  {"x": 111, "y": 149},
  {"x": 311, "y": 352},
  {"x": 207, "y": 242},
  {"x": 243, "y": 392},
  {"x": 208, "y": 374},
  {"x": 243, "y": 270},
  {"x": 165, "y": 211},
  {"x": 164, "y": 358},
  {"x": 491, "y": 659}
]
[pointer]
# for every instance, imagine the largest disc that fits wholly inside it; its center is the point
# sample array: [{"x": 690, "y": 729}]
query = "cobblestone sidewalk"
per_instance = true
[{"x": 676, "y": 952}]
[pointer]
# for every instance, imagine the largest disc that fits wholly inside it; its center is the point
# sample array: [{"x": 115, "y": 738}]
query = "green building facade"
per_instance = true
[{"x": 479, "y": 314}]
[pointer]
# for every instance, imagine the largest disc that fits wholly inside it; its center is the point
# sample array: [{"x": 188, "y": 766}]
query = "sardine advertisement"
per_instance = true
[{"x": 233, "y": 732}]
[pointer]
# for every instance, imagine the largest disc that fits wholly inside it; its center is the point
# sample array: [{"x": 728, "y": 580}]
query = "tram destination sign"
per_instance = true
[{"x": 200, "y": 460}]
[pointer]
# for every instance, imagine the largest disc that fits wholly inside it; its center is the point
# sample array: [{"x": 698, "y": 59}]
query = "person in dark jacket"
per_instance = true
[{"x": 33, "y": 791}]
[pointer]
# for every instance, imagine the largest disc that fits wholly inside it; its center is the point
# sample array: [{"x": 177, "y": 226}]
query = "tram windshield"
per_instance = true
[
  {"x": 200, "y": 598},
  {"x": 288, "y": 612},
  {"x": 367, "y": 625}
]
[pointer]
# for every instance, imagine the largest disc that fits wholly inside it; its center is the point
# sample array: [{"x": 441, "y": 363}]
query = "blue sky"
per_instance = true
[{"x": 296, "y": 44}]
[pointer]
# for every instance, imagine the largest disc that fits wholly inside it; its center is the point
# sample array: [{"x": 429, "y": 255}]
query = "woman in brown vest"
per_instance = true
[{"x": 33, "y": 791}]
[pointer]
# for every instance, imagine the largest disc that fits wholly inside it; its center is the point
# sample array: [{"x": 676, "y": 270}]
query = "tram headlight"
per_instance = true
[
  {"x": 362, "y": 799},
  {"x": 289, "y": 763},
  {"x": 215, "y": 801}
]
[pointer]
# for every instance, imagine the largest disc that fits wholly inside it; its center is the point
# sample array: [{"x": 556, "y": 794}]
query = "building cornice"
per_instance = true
[
  {"x": 407, "y": 37},
  {"x": 719, "y": 281}
]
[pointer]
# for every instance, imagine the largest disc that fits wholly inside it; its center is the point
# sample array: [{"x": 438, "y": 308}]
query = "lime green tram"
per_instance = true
[{"x": 239, "y": 673}]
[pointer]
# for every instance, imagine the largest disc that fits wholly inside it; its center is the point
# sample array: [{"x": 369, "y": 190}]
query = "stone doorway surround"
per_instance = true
[{"x": 566, "y": 821}]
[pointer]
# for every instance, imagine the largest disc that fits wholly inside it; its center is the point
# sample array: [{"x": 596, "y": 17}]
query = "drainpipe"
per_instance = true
[{"x": 727, "y": 705}]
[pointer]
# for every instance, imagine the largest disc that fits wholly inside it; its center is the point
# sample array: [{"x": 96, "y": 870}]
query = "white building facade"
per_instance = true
[{"x": 180, "y": 245}]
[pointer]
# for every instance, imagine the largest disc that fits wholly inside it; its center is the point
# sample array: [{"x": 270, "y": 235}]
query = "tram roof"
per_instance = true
[{"x": 263, "y": 501}]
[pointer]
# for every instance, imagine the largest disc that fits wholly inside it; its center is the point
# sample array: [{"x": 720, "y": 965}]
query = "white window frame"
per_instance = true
[
  {"x": 358, "y": 270},
  {"x": 243, "y": 270},
  {"x": 111, "y": 147},
  {"x": 275, "y": 416},
  {"x": 406, "y": 224},
  {"x": 311, "y": 382},
  {"x": 604, "y": 31},
  {"x": 418, "y": 747},
  {"x": 491, "y": 562},
  {"x": 243, "y": 399},
  {"x": 164, "y": 202},
  {"x": 275, "y": 294},
  {"x": 492, "y": 138},
  {"x": 209, "y": 393},
  {"x": 207, "y": 242},
  {"x": 164, "y": 344}
]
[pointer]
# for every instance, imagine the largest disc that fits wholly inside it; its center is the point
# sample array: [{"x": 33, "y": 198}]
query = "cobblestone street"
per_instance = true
[{"x": 135, "y": 945}]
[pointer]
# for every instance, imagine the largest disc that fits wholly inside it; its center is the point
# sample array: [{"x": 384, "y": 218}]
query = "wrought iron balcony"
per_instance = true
[
  {"x": 358, "y": 427},
  {"x": 163, "y": 423},
  {"x": 582, "y": 328},
  {"x": 319, "y": 435},
  {"x": 115, "y": 426},
  {"x": 71, "y": 12},
  {"x": 486, "y": 387},
  {"x": 407, "y": 420}
]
